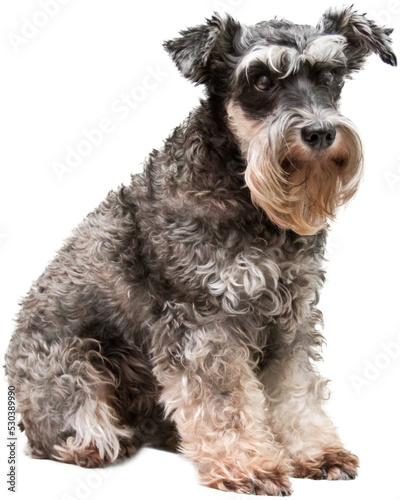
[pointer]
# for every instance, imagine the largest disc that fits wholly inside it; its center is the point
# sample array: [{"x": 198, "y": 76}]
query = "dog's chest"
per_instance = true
[{"x": 269, "y": 279}]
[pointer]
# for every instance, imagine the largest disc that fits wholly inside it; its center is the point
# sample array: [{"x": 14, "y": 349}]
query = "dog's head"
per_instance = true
[{"x": 280, "y": 84}]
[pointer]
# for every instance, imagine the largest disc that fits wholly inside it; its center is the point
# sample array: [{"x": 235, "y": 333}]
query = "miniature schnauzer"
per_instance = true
[{"x": 183, "y": 311}]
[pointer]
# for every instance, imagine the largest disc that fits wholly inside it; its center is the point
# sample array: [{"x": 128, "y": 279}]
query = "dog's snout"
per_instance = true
[{"x": 319, "y": 135}]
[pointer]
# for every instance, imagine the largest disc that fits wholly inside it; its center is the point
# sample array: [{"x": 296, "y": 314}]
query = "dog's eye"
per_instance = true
[
  {"x": 262, "y": 82},
  {"x": 326, "y": 78}
]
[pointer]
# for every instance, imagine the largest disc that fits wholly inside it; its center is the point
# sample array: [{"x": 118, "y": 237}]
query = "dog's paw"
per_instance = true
[
  {"x": 331, "y": 464},
  {"x": 273, "y": 483}
]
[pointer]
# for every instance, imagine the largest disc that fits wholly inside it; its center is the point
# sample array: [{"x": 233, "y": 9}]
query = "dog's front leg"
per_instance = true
[
  {"x": 218, "y": 405},
  {"x": 295, "y": 393}
]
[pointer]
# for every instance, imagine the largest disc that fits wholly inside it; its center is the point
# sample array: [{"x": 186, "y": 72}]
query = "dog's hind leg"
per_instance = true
[{"x": 79, "y": 400}]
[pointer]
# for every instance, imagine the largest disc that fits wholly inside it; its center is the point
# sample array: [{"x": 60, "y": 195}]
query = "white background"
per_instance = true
[{"x": 67, "y": 78}]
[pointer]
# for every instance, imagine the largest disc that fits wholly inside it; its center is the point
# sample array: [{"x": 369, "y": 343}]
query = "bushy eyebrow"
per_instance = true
[{"x": 284, "y": 60}]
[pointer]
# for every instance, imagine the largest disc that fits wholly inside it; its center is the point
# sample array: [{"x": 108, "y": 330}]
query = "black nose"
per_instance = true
[{"x": 319, "y": 135}]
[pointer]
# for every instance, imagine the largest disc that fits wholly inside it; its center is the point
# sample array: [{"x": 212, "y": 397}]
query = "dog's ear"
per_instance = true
[
  {"x": 193, "y": 50},
  {"x": 363, "y": 36}
]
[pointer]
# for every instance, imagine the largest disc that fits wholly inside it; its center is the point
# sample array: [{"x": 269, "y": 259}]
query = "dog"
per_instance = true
[{"x": 183, "y": 312}]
